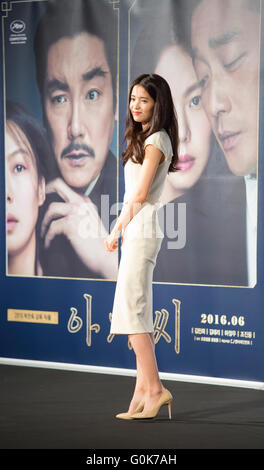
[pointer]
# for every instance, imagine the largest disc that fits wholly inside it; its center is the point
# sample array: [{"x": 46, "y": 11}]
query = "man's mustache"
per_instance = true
[{"x": 75, "y": 147}]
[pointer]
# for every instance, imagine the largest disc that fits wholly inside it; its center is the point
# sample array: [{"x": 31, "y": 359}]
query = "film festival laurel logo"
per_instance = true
[
  {"x": 17, "y": 27},
  {"x": 17, "y": 32}
]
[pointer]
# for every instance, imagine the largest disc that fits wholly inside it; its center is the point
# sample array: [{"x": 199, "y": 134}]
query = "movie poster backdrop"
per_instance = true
[{"x": 66, "y": 70}]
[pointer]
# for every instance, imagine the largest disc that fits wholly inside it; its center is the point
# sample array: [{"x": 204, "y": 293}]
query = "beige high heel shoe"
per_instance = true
[
  {"x": 165, "y": 399},
  {"x": 129, "y": 415}
]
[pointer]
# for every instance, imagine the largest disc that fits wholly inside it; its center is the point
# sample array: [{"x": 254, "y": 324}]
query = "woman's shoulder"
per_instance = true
[
  {"x": 161, "y": 140},
  {"x": 156, "y": 137}
]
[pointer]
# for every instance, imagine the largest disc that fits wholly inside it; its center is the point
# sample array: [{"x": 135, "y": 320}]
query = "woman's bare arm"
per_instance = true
[{"x": 153, "y": 157}]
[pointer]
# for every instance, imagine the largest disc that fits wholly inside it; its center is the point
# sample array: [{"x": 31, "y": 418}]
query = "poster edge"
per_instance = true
[{"x": 220, "y": 381}]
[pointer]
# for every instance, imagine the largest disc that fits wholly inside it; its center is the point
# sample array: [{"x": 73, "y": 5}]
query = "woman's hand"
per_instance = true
[{"x": 111, "y": 242}]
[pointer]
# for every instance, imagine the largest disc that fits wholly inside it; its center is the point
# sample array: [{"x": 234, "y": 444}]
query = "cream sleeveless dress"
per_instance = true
[{"x": 133, "y": 307}]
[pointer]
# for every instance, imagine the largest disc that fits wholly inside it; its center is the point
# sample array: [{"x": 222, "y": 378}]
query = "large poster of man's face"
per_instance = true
[
  {"x": 60, "y": 137},
  {"x": 209, "y": 52}
]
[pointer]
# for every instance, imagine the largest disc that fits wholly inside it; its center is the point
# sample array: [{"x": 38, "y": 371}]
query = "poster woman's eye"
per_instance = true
[
  {"x": 195, "y": 102},
  {"x": 19, "y": 168}
]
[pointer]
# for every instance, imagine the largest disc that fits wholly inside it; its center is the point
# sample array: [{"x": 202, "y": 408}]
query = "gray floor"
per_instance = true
[{"x": 54, "y": 409}]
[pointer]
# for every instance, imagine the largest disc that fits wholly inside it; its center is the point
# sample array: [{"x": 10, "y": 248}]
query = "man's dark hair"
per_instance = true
[{"x": 69, "y": 18}]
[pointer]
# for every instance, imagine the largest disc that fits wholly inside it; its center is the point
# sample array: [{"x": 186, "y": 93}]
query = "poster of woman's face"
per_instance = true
[
  {"x": 194, "y": 127},
  {"x": 209, "y": 52},
  {"x": 25, "y": 193}
]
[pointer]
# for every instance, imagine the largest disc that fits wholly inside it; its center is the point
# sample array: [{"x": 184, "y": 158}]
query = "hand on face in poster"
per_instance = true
[{"x": 77, "y": 218}]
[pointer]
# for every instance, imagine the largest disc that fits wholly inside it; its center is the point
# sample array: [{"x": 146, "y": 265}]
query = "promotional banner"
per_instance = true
[{"x": 66, "y": 71}]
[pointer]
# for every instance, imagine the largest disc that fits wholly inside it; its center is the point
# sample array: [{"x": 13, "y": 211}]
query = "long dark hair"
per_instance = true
[
  {"x": 35, "y": 134},
  {"x": 164, "y": 117}
]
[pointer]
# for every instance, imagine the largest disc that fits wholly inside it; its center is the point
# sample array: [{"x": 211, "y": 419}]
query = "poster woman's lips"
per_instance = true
[
  {"x": 185, "y": 162},
  {"x": 11, "y": 222},
  {"x": 228, "y": 139}
]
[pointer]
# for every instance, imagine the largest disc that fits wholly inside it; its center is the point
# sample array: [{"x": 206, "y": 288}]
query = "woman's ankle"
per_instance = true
[
  {"x": 140, "y": 388},
  {"x": 154, "y": 390}
]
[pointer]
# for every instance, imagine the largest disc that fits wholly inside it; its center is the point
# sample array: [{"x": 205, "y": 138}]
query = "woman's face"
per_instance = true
[
  {"x": 24, "y": 192},
  {"x": 175, "y": 65},
  {"x": 141, "y": 105}
]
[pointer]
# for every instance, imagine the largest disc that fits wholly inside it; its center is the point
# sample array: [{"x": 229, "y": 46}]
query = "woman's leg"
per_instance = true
[
  {"x": 148, "y": 375},
  {"x": 151, "y": 335},
  {"x": 140, "y": 387},
  {"x": 139, "y": 391}
]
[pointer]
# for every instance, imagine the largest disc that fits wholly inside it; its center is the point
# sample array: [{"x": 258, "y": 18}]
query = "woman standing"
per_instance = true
[{"x": 152, "y": 152}]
